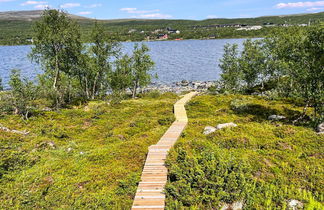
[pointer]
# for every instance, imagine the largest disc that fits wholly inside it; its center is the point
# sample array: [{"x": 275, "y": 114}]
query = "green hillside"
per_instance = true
[{"x": 17, "y": 28}]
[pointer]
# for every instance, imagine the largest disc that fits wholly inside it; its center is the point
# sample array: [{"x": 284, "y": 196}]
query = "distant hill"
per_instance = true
[
  {"x": 28, "y": 15},
  {"x": 16, "y": 26},
  {"x": 294, "y": 18}
]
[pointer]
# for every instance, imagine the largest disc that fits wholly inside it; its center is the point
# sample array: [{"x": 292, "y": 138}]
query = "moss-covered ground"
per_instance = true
[
  {"x": 86, "y": 157},
  {"x": 263, "y": 164}
]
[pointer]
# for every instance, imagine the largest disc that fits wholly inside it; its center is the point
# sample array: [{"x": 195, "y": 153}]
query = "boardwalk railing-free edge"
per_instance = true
[{"x": 149, "y": 194}]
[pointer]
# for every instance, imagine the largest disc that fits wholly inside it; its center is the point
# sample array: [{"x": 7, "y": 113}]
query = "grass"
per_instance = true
[
  {"x": 86, "y": 157},
  {"x": 262, "y": 163}
]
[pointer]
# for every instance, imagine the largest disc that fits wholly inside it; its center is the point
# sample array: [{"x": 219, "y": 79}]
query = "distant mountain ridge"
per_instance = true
[
  {"x": 16, "y": 27},
  {"x": 29, "y": 15}
]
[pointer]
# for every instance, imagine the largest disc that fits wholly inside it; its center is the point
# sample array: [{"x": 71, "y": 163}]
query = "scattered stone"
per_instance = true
[
  {"x": 178, "y": 87},
  {"x": 295, "y": 204},
  {"x": 226, "y": 125},
  {"x": 276, "y": 117},
  {"x": 82, "y": 184},
  {"x": 320, "y": 128},
  {"x": 69, "y": 149},
  {"x": 238, "y": 205},
  {"x": 13, "y": 131},
  {"x": 121, "y": 137},
  {"x": 46, "y": 144},
  {"x": 208, "y": 130},
  {"x": 48, "y": 180},
  {"x": 86, "y": 108},
  {"x": 184, "y": 83}
]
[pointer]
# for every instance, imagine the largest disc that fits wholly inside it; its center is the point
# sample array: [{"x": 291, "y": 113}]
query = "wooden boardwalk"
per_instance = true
[{"x": 150, "y": 193}]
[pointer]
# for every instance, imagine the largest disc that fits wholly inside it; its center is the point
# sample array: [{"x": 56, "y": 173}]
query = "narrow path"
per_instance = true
[{"x": 149, "y": 193}]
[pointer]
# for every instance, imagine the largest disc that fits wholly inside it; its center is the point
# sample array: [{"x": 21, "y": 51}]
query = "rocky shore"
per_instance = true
[{"x": 178, "y": 87}]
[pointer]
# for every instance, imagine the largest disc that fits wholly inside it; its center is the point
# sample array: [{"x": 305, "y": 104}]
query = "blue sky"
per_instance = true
[{"x": 170, "y": 9}]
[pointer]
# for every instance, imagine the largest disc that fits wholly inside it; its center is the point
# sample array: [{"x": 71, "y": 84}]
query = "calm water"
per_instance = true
[{"x": 195, "y": 60}]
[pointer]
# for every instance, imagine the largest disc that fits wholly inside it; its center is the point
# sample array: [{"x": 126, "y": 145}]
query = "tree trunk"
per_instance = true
[
  {"x": 57, "y": 73},
  {"x": 86, "y": 88},
  {"x": 94, "y": 86},
  {"x": 303, "y": 114},
  {"x": 135, "y": 89}
]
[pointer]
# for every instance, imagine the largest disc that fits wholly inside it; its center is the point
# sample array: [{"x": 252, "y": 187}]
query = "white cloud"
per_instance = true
[
  {"x": 154, "y": 15},
  {"x": 128, "y": 9},
  {"x": 42, "y": 6},
  {"x": 300, "y": 4},
  {"x": 93, "y": 5},
  {"x": 315, "y": 9},
  {"x": 33, "y": 3},
  {"x": 135, "y": 11},
  {"x": 145, "y": 13},
  {"x": 85, "y": 13},
  {"x": 212, "y": 16},
  {"x": 70, "y": 5},
  {"x": 6, "y": 1}
]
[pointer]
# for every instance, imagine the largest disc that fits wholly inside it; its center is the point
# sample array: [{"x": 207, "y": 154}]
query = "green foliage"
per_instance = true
[
  {"x": 87, "y": 157},
  {"x": 142, "y": 64},
  {"x": 302, "y": 52},
  {"x": 96, "y": 70},
  {"x": 290, "y": 63},
  {"x": 261, "y": 163},
  {"x": 19, "y": 99},
  {"x": 231, "y": 72},
  {"x": 57, "y": 47},
  {"x": 208, "y": 178},
  {"x": 121, "y": 76}
]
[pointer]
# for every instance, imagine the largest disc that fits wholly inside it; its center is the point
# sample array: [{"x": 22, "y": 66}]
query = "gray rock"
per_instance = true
[
  {"x": 208, "y": 130},
  {"x": 238, "y": 205},
  {"x": 320, "y": 128},
  {"x": 276, "y": 117},
  {"x": 51, "y": 144},
  {"x": 184, "y": 83},
  {"x": 295, "y": 204},
  {"x": 46, "y": 144},
  {"x": 225, "y": 125}
]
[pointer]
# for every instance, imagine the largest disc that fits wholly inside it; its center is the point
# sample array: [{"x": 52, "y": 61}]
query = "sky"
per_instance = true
[{"x": 169, "y": 9}]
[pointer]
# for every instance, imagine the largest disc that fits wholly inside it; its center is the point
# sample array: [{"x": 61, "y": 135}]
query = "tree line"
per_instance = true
[
  {"x": 285, "y": 64},
  {"x": 73, "y": 71}
]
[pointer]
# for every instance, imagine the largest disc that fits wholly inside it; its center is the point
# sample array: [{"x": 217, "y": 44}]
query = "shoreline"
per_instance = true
[
  {"x": 181, "y": 86},
  {"x": 168, "y": 40}
]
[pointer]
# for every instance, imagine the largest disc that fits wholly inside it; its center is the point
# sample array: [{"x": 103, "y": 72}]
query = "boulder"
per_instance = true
[
  {"x": 225, "y": 125},
  {"x": 208, "y": 130},
  {"x": 295, "y": 204},
  {"x": 320, "y": 128},
  {"x": 234, "y": 206},
  {"x": 184, "y": 83},
  {"x": 276, "y": 117}
]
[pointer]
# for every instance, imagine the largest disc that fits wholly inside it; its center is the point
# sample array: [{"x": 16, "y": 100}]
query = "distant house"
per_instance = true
[
  {"x": 30, "y": 40},
  {"x": 249, "y": 28},
  {"x": 158, "y": 31},
  {"x": 173, "y": 31},
  {"x": 162, "y": 36},
  {"x": 132, "y": 31}
]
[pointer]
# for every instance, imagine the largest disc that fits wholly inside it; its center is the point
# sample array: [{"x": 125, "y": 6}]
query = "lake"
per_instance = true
[{"x": 194, "y": 60}]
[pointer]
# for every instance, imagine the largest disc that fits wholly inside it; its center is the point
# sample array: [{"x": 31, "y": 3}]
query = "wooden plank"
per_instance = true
[{"x": 149, "y": 194}]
